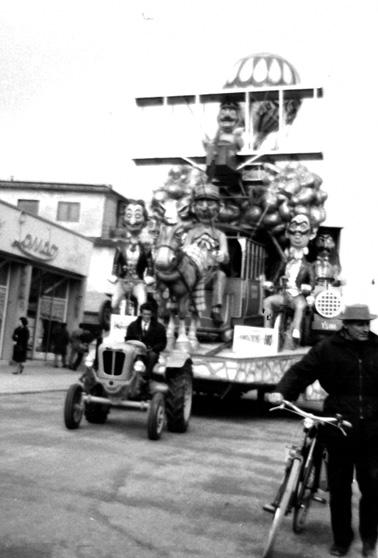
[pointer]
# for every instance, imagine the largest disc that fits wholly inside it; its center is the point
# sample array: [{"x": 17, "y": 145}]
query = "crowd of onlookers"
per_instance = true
[{"x": 68, "y": 348}]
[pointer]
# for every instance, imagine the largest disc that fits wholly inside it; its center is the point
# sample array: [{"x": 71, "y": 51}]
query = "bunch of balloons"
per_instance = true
[
  {"x": 281, "y": 194},
  {"x": 285, "y": 192},
  {"x": 180, "y": 182},
  {"x": 171, "y": 202}
]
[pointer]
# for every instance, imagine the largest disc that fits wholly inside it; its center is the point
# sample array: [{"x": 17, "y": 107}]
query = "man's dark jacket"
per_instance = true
[
  {"x": 347, "y": 370},
  {"x": 120, "y": 263},
  {"x": 155, "y": 338},
  {"x": 306, "y": 273}
]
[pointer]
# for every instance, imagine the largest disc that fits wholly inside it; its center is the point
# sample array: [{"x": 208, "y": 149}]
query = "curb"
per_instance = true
[{"x": 31, "y": 391}]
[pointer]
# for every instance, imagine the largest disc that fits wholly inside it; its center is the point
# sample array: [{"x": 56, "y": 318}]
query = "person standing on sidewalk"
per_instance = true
[
  {"x": 60, "y": 341},
  {"x": 21, "y": 337},
  {"x": 80, "y": 341},
  {"x": 75, "y": 343}
]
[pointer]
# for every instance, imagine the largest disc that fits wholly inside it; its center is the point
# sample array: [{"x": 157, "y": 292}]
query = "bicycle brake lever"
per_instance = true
[
  {"x": 341, "y": 422},
  {"x": 344, "y": 423}
]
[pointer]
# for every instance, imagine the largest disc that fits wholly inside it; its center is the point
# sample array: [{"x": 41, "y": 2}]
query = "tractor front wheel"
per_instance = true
[
  {"x": 73, "y": 407},
  {"x": 156, "y": 417}
]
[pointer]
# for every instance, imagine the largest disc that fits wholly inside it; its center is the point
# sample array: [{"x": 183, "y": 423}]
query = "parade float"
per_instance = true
[{"x": 231, "y": 225}]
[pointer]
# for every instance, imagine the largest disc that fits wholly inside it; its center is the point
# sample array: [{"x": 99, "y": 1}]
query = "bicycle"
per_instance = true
[{"x": 302, "y": 474}]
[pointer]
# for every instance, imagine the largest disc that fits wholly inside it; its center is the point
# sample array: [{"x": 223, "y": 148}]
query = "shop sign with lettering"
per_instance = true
[{"x": 37, "y": 247}]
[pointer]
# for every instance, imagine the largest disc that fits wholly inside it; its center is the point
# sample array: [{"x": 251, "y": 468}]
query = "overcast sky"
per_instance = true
[{"x": 70, "y": 69}]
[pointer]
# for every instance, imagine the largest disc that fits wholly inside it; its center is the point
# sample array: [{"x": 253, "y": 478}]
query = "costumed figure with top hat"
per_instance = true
[
  {"x": 132, "y": 264},
  {"x": 295, "y": 278}
]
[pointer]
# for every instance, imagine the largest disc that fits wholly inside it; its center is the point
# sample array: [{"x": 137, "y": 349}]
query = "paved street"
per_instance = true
[{"x": 107, "y": 491}]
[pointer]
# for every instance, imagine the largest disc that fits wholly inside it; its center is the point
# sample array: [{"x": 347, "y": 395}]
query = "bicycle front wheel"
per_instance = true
[
  {"x": 287, "y": 490},
  {"x": 306, "y": 490}
]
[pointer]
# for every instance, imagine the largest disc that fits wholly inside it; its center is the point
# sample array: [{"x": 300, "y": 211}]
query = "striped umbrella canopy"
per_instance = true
[
  {"x": 266, "y": 70},
  {"x": 263, "y": 70}
]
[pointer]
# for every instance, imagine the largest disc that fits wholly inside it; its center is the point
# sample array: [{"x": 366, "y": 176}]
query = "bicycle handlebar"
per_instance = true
[{"x": 336, "y": 421}]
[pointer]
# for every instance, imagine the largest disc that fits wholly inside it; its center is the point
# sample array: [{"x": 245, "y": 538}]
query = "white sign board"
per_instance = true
[
  {"x": 118, "y": 327},
  {"x": 252, "y": 341}
]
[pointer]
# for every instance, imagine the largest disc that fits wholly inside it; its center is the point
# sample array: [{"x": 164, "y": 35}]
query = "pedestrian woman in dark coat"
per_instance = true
[{"x": 21, "y": 337}]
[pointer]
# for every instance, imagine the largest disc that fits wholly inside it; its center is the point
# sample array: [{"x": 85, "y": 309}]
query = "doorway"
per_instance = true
[{"x": 47, "y": 306}]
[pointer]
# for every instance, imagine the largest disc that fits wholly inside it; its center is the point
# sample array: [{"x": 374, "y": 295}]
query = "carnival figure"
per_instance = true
[
  {"x": 228, "y": 141},
  {"x": 295, "y": 278},
  {"x": 204, "y": 235},
  {"x": 326, "y": 266},
  {"x": 132, "y": 264}
]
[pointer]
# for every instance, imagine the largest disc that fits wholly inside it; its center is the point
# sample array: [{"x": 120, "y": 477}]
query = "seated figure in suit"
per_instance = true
[{"x": 295, "y": 279}]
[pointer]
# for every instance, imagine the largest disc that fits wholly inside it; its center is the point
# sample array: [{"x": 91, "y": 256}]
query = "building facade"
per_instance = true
[
  {"x": 43, "y": 270},
  {"x": 93, "y": 211}
]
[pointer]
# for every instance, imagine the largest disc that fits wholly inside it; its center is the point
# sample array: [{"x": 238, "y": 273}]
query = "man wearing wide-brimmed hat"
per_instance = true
[{"x": 346, "y": 366}]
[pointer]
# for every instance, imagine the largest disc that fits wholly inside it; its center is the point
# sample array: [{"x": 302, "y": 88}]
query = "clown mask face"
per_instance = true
[
  {"x": 228, "y": 118},
  {"x": 135, "y": 218},
  {"x": 299, "y": 231}
]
